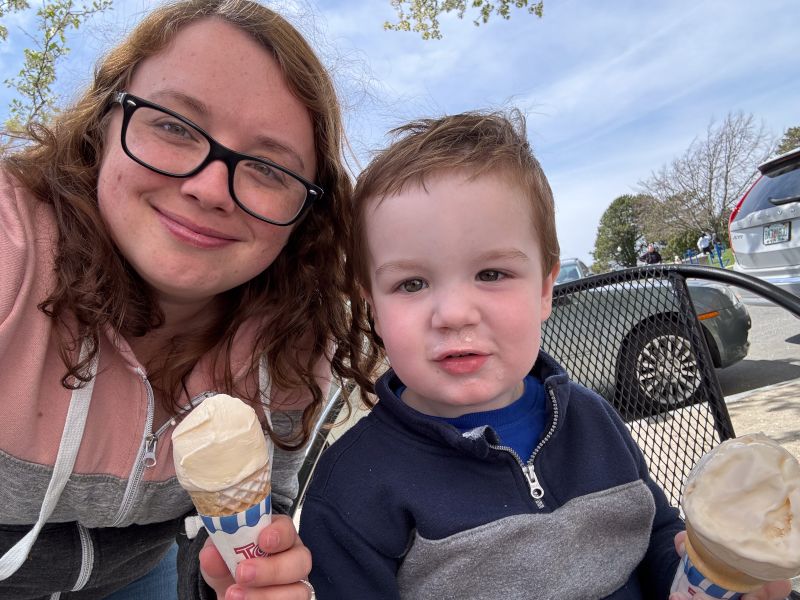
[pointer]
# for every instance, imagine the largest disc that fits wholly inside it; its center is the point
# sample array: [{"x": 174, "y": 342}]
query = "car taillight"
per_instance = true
[{"x": 735, "y": 211}]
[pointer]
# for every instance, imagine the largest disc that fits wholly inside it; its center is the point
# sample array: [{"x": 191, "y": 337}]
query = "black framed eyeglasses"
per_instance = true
[{"x": 170, "y": 144}]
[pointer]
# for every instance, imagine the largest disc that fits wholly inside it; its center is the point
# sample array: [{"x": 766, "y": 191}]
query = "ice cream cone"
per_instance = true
[
  {"x": 223, "y": 459},
  {"x": 741, "y": 502},
  {"x": 714, "y": 569},
  {"x": 236, "y": 498}
]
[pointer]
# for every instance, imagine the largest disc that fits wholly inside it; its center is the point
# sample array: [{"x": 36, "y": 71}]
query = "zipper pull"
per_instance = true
[
  {"x": 150, "y": 443},
  {"x": 537, "y": 491}
]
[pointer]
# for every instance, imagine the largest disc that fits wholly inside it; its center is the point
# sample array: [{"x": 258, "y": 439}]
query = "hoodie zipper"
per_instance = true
[
  {"x": 146, "y": 456},
  {"x": 87, "y": 558},
  {"x": 535, "y": 487}
]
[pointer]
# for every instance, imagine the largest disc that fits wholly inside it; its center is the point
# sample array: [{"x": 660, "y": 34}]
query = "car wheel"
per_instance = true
[{"x": 658, "y": 370}]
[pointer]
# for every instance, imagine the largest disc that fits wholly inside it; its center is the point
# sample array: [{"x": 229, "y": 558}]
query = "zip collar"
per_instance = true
[{"x": 480, "y": 441}]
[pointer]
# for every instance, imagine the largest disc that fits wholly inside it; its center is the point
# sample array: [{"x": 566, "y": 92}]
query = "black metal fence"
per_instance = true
[{"x": 633, "y": 337}]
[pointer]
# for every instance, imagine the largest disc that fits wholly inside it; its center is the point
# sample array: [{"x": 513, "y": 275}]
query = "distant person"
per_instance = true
[
  {"x": 651, "y": 257},
  {"x": 482, "y": 471},
  {"x": 704, "y": 243}
]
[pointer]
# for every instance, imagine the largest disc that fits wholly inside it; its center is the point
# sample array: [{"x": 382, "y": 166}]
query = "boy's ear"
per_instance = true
[
  {"x": 365, "y": 295},
  {"x": 373, "y": 321},
  {"x": 547, "y": 291}
]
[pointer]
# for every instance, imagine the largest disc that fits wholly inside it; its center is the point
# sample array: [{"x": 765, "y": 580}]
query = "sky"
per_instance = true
[{"x": 612, "y": 90}]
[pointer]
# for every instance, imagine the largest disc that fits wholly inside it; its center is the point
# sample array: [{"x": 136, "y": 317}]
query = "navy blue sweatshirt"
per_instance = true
[{"x": 405, "y": 506}]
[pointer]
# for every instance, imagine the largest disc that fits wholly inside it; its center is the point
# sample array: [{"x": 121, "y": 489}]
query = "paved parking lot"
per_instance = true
[{"x": 774, "y": 410}]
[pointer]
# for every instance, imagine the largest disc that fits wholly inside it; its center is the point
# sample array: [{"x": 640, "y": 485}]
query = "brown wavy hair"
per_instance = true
[
  {"x": 477, "y": 143},
  {"x": 300, "y": 300}
]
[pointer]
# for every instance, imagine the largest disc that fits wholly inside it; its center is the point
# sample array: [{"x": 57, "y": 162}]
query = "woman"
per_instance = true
[{"x": 177, "y": 232}]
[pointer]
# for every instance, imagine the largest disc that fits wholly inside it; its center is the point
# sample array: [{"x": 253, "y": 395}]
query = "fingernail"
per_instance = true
[
  {"x": 245, "y": 574},
  {"x": 272, "y": 540},
  {"x": 234, "y": 593},
  {"x": 682, "y": 549}
]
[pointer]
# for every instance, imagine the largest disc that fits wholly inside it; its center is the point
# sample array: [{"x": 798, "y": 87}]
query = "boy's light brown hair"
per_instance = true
[{"x": 478, "y": 143}]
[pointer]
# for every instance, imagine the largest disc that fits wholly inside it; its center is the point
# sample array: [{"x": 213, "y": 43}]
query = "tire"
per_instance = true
[{"x": 658, "y": 371}]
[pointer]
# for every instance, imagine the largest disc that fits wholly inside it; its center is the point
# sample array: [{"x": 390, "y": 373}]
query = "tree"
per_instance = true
[
  {"x": 698, "y": 190},
  {"x": 423, "y": 15},
  {"x": 9, "y": 6},
  {"x": 36, "y": 101},
  {"x": 790, "y": 140},
  {"x": 619, "y": 235}
]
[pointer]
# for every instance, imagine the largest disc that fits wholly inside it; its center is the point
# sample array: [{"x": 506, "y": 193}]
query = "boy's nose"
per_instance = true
[
  {"x": 454, "y": 309},
  {"x": 210, "y": 187}
]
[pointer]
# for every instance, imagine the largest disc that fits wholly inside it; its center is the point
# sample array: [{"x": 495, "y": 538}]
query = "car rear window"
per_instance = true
[
  {"x": 568, "y": 273},
  {"x": 780, "y": 183}
]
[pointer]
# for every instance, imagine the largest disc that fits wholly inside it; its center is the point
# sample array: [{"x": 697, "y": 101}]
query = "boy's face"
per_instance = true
[{"x": 458, "y": 293}]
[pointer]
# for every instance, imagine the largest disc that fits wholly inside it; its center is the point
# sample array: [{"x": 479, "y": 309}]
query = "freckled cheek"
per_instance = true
[
  {"x": 111, "y": 181},
  {"x": 270, "y": 244},
  {"x": 106, "y": 191}
]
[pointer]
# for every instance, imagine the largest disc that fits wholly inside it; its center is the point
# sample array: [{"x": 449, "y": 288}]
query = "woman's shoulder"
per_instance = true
[
  {"x": 27, "y": 238},
  {"x": 15, "y": 203},
  {"x": 22, "y": 215}
]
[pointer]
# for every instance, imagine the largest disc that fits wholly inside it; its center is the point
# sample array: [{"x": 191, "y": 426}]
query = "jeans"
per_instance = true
[{"x": 159, "y": 584}]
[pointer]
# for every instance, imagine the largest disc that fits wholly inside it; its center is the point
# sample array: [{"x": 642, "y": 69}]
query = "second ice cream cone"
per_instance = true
[{"x": 715, "y": 570}]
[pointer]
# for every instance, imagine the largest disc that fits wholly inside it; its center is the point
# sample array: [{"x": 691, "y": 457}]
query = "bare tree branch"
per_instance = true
[{"x": 698, "y": 189}]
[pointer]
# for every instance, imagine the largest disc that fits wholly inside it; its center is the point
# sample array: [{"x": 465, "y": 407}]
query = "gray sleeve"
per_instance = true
[
  {"x": 191, "y": 585},
  {"x": 285, "y": 465}
]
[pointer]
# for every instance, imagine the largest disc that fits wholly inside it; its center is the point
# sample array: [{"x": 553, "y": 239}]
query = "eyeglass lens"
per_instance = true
[{"x": 170, "y": 145}]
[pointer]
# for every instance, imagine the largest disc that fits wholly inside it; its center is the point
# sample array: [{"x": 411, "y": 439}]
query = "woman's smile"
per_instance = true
[{"x": 186, "y": 231}]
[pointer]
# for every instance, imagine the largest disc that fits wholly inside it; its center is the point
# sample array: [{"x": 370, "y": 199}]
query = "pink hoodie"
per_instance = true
[{"x": 110, "y": 484}]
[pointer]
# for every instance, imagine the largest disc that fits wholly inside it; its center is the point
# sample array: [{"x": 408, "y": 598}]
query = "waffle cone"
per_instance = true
[
  {"x": 715, "y": 570},
  {"x": 236, "y": 498}
]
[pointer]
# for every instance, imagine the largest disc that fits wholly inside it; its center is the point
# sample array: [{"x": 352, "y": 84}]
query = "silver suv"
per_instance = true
[{"x": 765, "y": 225}]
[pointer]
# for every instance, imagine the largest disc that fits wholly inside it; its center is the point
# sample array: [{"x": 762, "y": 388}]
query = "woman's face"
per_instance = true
[{"x": 186, "y": 237}]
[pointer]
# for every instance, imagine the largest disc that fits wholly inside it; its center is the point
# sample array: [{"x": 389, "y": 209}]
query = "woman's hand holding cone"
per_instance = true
[{"x": 274, "y": 577}]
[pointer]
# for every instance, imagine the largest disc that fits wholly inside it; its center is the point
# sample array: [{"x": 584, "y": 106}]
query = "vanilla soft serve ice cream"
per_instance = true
[
  {"x": 219, "y": 444},
  {"x": 742, "y": 505}
]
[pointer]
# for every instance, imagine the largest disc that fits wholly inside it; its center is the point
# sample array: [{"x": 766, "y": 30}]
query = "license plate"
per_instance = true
[{"x": 775, "y": 233}]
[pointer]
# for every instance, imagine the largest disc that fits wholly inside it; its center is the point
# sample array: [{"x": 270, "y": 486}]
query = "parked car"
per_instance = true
[
  {"x": 572, "y": 269},
  {"x": 635, "y": 342},
  {"x": 765, "y": 225}
]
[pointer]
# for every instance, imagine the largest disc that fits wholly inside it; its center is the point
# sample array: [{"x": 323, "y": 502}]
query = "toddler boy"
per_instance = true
[{"x": 482, "y": 471}]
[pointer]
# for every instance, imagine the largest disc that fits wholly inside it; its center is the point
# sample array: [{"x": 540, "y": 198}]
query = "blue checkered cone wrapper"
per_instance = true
[
  {"x": 236, "y": 536},
  {"x": 691, "y": 581}
]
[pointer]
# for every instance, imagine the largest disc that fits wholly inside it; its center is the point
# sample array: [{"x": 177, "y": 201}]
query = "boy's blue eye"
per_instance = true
[
  {"x": 412, "y": 285},
  {"x": 490, "y": 275}
]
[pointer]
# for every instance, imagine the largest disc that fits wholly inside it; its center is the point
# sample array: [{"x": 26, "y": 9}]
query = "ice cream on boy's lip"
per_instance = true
[
  {"x": 742, "y": 506},
  {"x": 222, "y": 458}
]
